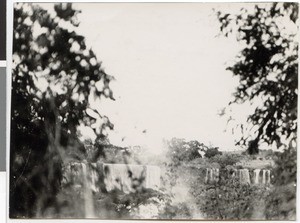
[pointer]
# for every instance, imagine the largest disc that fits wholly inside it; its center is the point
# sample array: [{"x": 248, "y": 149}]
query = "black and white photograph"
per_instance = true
[{"x": 153, "y": 111}]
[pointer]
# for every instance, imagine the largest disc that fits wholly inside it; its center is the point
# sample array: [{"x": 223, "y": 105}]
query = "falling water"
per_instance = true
[
  {"x": 217, "y": 174},
  {"x": 206, "y": 175},
  {"x": 256, "y": 176},
  {"x": 128, "y": 178},
  {"x": 244, "y": 176},
  {"x": 264, "y": 177},
  {"x": 235, "y": 173},
  {"x": 94, "y": 177},
  {"x": 88, "y": 198},
  {"x": 116, "y": 177},
  {"x": 268, "y": 173},
  {"x": 152, "y": 177},
  {"x": 212, "y": 175}
]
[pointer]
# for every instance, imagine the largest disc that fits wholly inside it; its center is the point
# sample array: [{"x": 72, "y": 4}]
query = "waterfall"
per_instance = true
[
  {"x": 130, "y": 178},
  {"x": 87, "y": 192},
  {"x": 216, "y": 174},
  {"x": 116, "y": 177},
  {"x": 264, "y": 177},
  {"x": 206, "y": 175},
  {"x": 212, "y": 175},
  {"x": 235, "y": 173},
  {"x": 247, "y": 176},
  {"x": 152, "y": 177},
  {"x": 256, "y": 176},
  {"x": 244, "y": 176},
  {"x": 268, "y": 180},
  {"x": 94, "y": 177}
]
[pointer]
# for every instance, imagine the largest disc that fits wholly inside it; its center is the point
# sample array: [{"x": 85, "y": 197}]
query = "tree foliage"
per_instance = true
[
  {"x": 180, "y": 150},
  {"x": 55, "y": 78},
  {"x": 228, "y": 199},
  {"x": 211, "y": 152},
  {"x": 267, "y": 68}
]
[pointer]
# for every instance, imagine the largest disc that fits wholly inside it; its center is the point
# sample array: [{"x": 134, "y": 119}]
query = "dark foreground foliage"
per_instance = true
[
  {"x": 53, "y": 75},
  {"x": 267, "y": 68}
]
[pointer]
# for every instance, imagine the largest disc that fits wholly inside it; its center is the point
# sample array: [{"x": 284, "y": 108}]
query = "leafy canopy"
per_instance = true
[
  {"x": 267, "y": 68},
  {"x": 55, "y": 80}
]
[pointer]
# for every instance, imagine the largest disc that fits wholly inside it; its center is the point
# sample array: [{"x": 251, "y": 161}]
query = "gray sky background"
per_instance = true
[{"x": 169, "y": 65}]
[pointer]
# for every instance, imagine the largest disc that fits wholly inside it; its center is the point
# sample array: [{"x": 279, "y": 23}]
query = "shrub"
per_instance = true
[{"x": 211, "y": 152}]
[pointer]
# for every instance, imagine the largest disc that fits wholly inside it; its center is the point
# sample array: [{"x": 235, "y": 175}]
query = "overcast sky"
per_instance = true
[
  {"x": 169, "y": 65},
  {"x": 170, "y": 72}
]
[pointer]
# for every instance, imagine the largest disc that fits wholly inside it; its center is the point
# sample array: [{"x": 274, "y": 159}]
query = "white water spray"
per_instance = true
[
  {"x": 244, "y": 176},
  {"x": 256, "y": 176},
  {"x": 87, "y": 193}
]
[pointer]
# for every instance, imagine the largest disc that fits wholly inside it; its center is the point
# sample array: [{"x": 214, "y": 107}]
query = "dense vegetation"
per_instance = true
[
  {"x": 228, "y": 199},
  {"x": 267, "y": 68},
  {"x": 53, "y": 76},
  {"x": 56, "y": 79}
]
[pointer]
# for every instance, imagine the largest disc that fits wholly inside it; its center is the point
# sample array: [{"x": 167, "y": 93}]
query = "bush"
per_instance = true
[
  {"x": 229, "y": 200},
  {"x": 211, "y": 152},
  {"x": 226, "y": 159}
]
